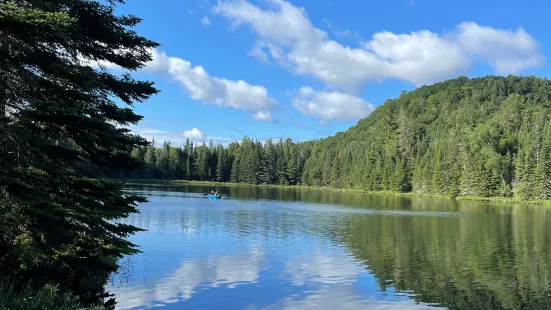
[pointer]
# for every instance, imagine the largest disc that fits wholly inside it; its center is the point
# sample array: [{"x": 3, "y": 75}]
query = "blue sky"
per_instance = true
[{"x": 307, "y": 69}]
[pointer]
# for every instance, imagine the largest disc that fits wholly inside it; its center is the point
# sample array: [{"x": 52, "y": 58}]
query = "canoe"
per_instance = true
[{"x": 214, "y": 196}]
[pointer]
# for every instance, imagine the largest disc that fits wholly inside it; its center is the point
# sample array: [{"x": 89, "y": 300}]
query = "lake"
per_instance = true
[{"x": 274, "y": 248}]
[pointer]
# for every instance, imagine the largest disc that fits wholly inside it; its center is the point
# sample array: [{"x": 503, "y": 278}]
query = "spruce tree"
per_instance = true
[
  {"x": 220, "y": 176},
  {"x": 139, "y": 154},
  {"x": 234, "y": 176},
  {"x": 150, "y": 159},
  {"x": 60, "y": 133},
  {"x": 163, "y": 161}
]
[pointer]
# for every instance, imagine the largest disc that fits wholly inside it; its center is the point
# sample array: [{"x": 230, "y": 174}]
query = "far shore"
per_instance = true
[{"x": 500, "y": 200}]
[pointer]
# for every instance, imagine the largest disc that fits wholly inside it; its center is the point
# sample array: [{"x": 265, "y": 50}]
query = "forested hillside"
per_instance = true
[{"x": 485, "y": 137}]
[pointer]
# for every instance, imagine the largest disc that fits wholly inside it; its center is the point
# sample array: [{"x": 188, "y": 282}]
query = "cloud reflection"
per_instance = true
[
  {"x": 329, "y": 298},
  {"x": 191, "y": 276},
  {"x": 321, "y": 267}
]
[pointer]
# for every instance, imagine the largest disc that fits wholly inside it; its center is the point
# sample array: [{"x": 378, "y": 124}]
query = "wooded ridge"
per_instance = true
[{"x": 487, "y": 137}]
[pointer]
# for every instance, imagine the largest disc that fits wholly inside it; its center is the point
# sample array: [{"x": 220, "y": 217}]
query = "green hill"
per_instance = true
[
  {"x": 485, "y": 137},
  {"x": 488, "y": 137}
]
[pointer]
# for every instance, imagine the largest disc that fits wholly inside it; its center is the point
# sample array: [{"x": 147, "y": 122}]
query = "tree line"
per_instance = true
[
  {"x": 252, "y": 162},
  {"x": 487, "y": 137}
]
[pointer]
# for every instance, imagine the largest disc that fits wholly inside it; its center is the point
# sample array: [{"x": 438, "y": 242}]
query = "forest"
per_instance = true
[{"x": 484, "y": 137}]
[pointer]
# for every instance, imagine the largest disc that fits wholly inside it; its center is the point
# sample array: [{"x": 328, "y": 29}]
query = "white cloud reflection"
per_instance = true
[
  {"x": 326, "y": 278},
  {"x": 322, "y": 268},
  {"x": 191, "y": 276}
]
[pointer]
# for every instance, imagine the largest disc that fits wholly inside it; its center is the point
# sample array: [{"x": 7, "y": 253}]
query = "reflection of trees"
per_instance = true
[
  {"x": 330, "y": 196},
  {"x": 311, "y": 195},
  {"x": 471, "y": 262},
  {"x": 490, "y": 257}
]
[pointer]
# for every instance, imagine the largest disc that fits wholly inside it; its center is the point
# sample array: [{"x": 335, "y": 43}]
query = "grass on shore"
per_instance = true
[
  {"x": 500, "y": 200},
  {"x": 48, "y": 297}
]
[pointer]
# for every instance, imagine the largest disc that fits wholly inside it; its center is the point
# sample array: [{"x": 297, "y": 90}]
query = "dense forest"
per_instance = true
[{"x": 487, "y": 137}]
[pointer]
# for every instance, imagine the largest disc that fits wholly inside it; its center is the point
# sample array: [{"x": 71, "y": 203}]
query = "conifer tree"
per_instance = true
[
  {"x": 190, "y": 163},
  {"x": 58, "y": 134},
  {"x": 234, "y": 178},
  {"x": 150, "y": 159}
]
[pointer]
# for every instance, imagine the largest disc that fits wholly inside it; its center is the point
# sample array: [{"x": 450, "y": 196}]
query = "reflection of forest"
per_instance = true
[
  {"x": 329, "y": 196},
  {"x": 476, "y": 257},
  {"x": 473, "y": 262}
]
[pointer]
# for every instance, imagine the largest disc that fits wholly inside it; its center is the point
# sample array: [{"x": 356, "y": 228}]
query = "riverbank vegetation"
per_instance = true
[
  {"x": 485, "y": 137},
  {"x": 61, "y": 133}
]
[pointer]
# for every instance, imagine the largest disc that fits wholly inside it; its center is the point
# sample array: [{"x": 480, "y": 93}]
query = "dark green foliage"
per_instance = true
[
  {"x": 485, "y": 137},
  {"x": 248, "y": 162},
  {"x": 59, "y": 131},
  {"x": 48, "y": 297}
]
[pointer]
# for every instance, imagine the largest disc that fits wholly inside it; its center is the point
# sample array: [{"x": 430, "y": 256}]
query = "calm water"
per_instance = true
[{"x": 311, "y": 249}]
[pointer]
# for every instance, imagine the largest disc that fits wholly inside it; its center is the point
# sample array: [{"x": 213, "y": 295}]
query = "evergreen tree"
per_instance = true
[
  {"x": 58, "y": 134},
  {"x": 281, "y": 165},
  {"x": 190, "y": 164},
  {"x": 150, "y": 159},
  {"x": 139, "y": 154},
  {"x": 269, "y": 162},
  {"x": 163, "y": 161},
  {"x": 264, "y": 170},
  {"x": 292, "y": 171},
  {"x": 220, "y": 166},
  {"x": 234, "y": 171},
  {"x": 201, "y": 163}
]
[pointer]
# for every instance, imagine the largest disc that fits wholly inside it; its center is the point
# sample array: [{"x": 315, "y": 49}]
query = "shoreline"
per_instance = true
[{"x": 499, "y": 200}]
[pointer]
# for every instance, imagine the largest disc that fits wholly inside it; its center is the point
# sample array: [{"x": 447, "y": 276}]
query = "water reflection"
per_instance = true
[
  {"x": 339, "y": 251},
  {"x": 475, "y": 262},
  {"x": 191, "y": 276}
]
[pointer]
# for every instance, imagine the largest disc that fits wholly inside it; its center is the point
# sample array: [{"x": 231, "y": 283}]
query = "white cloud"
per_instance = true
[
  {"x": 263, "y": 116},
  {"x": 158, "y": 64},
  {"x": 222, "y": 92},
  {"x": 259, "y": 53},
  {"x": 506, "y": 51},
  {"x": 213, "y": 90},
  {"x": 205, "y": 21},
  {"x": 420, "y": 57},
  {"x": 330, "y": 105},
  {"x": 204, "y": 87},
  {"x": 178, "y": 138},
  {"x": 195, "y": 134}
]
